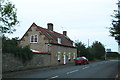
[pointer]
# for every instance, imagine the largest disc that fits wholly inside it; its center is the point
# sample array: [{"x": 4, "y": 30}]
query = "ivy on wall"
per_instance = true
[{"x": 24, "y": 54}]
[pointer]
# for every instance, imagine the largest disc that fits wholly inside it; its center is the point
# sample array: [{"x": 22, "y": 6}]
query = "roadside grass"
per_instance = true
[
  {"x": 98, "y": 60},
  {"x": 108, "y": 58}
]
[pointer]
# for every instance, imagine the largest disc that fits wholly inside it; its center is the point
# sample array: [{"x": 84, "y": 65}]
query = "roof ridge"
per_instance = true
[{"x": 49, "y": 30}]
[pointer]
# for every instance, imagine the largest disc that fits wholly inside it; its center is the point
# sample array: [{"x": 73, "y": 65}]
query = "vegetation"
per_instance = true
[
  {"x": 81, "y": 49},
  {"x": 96, "y": 51},
  {"x": 113, "y": 55},
  {"x": 8, "y": 19},
  {"x": 115, "y": 29},
  {"x": 11, "y": 46},
  {"x": 8, "y": 16}
]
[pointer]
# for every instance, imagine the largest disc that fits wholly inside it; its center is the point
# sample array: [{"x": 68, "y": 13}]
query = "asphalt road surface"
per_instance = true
[{"x": 102, "y": 69}]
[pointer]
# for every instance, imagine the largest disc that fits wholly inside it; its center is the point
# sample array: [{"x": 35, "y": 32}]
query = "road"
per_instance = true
[{"x": 102, "y": 69}]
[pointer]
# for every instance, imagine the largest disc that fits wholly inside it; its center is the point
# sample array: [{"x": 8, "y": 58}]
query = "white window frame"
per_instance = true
[
  {"x": 59, "y": 40},
  {"x": 34, "y": 38}
]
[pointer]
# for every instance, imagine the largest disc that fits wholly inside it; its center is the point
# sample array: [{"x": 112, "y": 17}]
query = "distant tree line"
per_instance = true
[
  {"x": 95, "y": 51},
  {"x": 113, "y": 55}
]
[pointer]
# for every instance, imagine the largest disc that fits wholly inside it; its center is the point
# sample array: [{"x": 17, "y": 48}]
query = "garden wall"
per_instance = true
[{"x": 10, "y": 63}]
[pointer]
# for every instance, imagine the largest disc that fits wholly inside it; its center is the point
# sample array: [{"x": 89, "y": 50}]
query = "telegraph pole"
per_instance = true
[{"x": 88, "y": 43}]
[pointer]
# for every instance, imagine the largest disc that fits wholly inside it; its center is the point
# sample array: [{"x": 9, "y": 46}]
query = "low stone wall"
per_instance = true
[{"x": 10, "y": 63}]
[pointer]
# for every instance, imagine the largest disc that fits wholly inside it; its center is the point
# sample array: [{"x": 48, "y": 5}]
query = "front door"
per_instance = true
[{"x": 64, "y": 58}]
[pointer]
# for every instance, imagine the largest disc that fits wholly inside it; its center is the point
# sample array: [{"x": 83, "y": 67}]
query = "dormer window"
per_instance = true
[
  {"x": 73, "y": 44},
  {"x": 34, "y": 38},
  {"x": 59, "y": 40}
]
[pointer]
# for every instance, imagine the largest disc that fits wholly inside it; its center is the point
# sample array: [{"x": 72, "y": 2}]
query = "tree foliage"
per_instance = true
[
  {"x": 8, "y": 16},
  {"x": 113, "y": 55},
  {"x": 95, "y": 51},
  {"x": 82, "y": 50},
  {"x": 115, "y": 29},
  {"x": 98, "y": 50}
]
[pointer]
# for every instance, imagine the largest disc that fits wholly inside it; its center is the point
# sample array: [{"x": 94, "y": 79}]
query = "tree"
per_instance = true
[
  {"x": 81, "y": 50},
  {"x": 98, "y": 50},
  {"x": 115, "y": 29},
  {"x": 8, "y": 16}
]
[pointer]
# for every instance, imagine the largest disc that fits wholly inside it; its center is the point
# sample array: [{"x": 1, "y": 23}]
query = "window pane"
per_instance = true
[
  {"x": 35, "y": 38},
  {"x": 32, "y": 38}
]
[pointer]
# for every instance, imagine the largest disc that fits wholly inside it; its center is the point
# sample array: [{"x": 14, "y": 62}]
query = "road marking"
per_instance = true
[
  {"x": 72, "y": 71},
  {"x": 54, "y": 77},
  {"x": 117, "y": 76},
  {"x": 86, "y": 67}
]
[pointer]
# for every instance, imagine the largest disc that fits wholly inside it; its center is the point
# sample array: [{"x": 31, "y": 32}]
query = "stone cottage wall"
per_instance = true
[
  {"x": 10, "y": 63},
  {"x": 54, "y": 49},
  {"x": 40, "y": 45}
]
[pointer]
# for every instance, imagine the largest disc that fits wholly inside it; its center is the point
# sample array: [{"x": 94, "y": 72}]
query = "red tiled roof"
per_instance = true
[{"x": 53, "y": 36}]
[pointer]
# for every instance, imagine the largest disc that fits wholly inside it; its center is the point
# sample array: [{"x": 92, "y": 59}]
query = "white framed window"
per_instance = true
[
  {"x": 34, "y": 38},
  {"x": 59, "y": 40}
]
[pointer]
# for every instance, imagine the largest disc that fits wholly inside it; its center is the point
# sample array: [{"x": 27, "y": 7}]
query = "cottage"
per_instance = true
[{"x": 44, "y": 41}]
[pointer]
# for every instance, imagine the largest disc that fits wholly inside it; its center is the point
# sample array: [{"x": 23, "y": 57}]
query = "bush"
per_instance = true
[
  {"x": 83, "y": 51},
  {"x": 10, "y": 46},
  {"x": 24, "y": 54},
  {"x": 113, "y": 55},
  {"x": 96, "y": 51}
]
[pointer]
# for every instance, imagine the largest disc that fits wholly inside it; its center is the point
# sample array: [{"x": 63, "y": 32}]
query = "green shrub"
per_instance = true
[
  {"x": 95, "y": 51},
  {"x": 10, "y": 46},
  {"x": 113, "y": 55}
]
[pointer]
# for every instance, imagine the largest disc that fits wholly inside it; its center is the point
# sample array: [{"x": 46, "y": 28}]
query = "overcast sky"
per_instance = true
[{"x": 82, "y": 19}]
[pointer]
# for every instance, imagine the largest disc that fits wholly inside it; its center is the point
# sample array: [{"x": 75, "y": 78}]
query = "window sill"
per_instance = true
[{"x": 33, "y": 42}]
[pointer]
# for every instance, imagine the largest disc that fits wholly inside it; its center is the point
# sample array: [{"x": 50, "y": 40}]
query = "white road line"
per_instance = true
[
  {"x": 86, "y": 67},
  {"x": 72, "y": 71},
  {"x": 54, "y": 77},
  {"x": 117, "y": 76}
]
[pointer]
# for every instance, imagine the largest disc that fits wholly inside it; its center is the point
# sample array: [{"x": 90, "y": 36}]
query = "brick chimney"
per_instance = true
[
  {"x": 65, "y": 33},
  {"x": 50, "y": 26}
]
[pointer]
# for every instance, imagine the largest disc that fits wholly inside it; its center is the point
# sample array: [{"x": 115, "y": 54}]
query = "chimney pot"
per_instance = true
[
  {"x": 65, "y": 33},
  {"x": 50, "y": 26}
]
